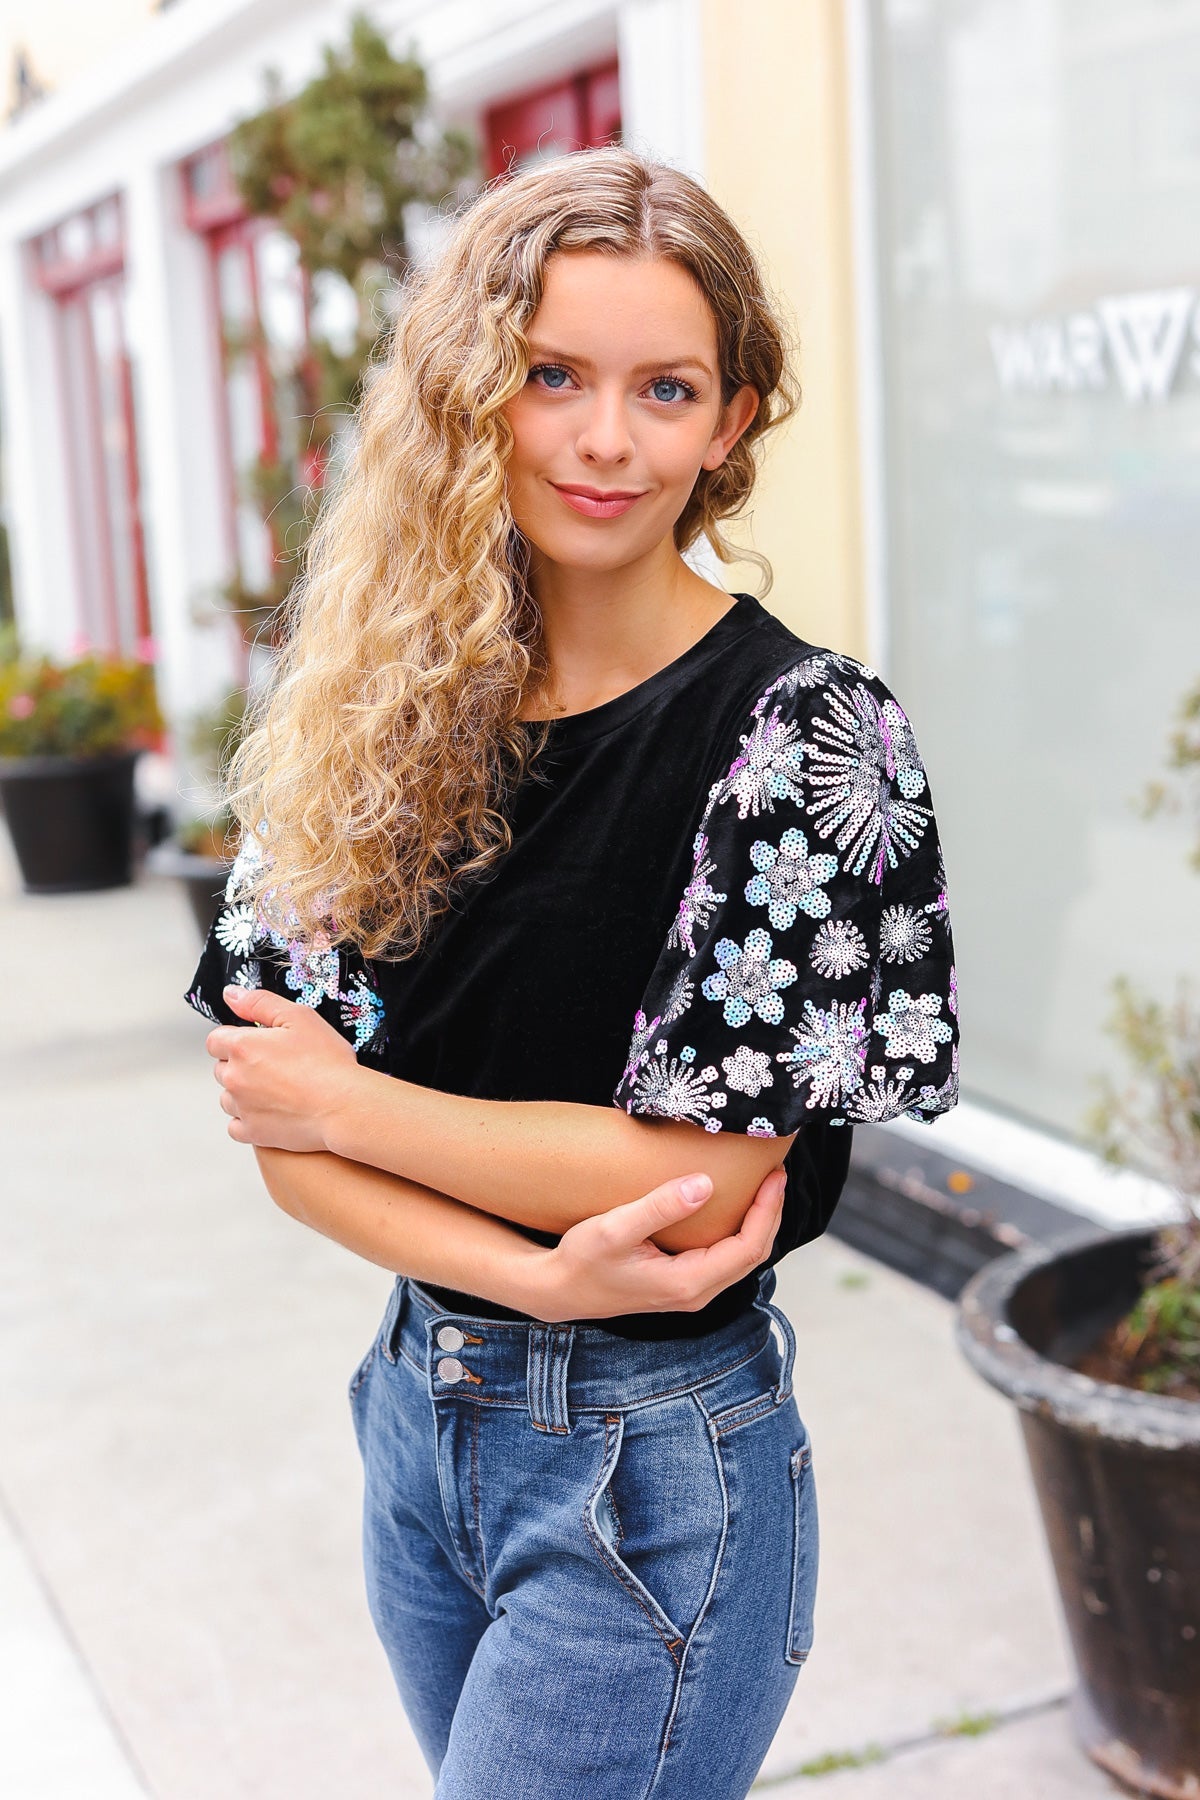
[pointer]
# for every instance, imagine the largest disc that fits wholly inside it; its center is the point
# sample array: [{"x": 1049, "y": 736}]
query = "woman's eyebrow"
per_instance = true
[{"x": 663, "y": 362}]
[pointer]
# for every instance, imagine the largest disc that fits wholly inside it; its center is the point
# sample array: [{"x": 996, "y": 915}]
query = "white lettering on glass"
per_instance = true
[{"x": 1143, "y": 334}]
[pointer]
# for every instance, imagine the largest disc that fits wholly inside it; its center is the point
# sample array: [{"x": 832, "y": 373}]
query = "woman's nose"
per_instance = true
[{"x": 605, "y": 435}]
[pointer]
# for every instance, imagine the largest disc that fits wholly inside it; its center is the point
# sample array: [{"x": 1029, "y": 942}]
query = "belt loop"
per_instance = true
[
  {"x": 393, "y": 1313},
  {"x": 766, "y": 1287},
  {"x": 546, "y": 1383}
]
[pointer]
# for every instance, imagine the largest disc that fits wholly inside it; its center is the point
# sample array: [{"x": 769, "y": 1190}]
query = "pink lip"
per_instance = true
[{"x": 594, "y": 503}]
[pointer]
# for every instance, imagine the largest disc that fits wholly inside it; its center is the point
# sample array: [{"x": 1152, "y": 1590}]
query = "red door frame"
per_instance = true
[
  {"x": 67, "y": 282},
  {"x": 584, "y": 107}
]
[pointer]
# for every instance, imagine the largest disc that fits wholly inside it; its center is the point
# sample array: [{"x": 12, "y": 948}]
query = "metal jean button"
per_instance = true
[
  {"x": 450, "y": 1369},
  {"x": 450, "y": 1338}
]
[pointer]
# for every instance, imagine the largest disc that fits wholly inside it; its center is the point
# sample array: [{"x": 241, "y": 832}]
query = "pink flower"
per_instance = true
[
  {"x": 146, "y": 650},
  {"x": 21, "y": 706}
]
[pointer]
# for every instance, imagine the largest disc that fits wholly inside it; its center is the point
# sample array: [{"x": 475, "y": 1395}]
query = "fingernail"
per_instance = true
[{"x": 695, "y": 1188}]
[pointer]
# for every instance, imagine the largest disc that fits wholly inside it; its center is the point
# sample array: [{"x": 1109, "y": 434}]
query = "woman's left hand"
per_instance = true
[{"x": 279, "y": 1084}]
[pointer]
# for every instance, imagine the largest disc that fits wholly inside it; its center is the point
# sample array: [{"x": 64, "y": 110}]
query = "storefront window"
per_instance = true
[{"x": 1037, "y": 176}]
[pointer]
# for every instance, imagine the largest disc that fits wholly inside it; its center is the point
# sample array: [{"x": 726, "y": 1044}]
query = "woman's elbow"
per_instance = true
[
  {"x": 273, "y": 1167},
  {"x": 720, "y": 1217}
]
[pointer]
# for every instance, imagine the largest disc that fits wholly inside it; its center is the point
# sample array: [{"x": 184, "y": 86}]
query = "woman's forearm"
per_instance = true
[
  {"x": 403, "y": 1226},
  {"x": 549, "y": 1163}
]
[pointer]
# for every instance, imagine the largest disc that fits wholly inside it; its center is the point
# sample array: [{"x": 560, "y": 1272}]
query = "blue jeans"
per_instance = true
[{"x": 592, "y": 1561}]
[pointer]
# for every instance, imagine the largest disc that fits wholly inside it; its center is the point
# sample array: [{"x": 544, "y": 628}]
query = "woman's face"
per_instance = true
[{"x": 622, "y": 400}]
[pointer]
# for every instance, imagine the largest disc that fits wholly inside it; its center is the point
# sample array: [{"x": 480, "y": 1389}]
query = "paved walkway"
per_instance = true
[{"x": 181, "y": 1603}]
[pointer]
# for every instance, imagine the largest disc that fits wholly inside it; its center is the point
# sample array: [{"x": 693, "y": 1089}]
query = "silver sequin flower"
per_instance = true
[
  {"x": 643, "y": 1031},
  {"x": 748, "y": 1071},
  {"x": 904, "y": 934},
  {"x": 768, "y": 768},
  {"x": 913, "y": 1026},
  {"x": 699, "y": 901},
  {"x": 245, "y": 863},
  {"x": 789, "y": 880},
  {"x": 749, "y": 979},
  {"x": 362, "y": 1012},
  {"x": 829, "y": 1052},
  {"x": 238, "y": 929},
  {"x": 838, "y": 949},
  {"x": 863, "y": 769},
  {"x": 881, "y": 1099},
  {"x": 667, "y": 1087},
  {"x": 680, "y": 997}
]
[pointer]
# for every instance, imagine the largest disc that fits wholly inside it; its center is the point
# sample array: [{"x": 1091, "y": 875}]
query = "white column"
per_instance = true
[
  {"x": 177, "y": 397},
  {"x": 35, "y": 422},
  {"x": 660, "y": 49}
]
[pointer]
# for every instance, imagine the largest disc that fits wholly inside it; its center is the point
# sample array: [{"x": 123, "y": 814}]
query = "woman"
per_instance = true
[{"x": 555, "y": 823}]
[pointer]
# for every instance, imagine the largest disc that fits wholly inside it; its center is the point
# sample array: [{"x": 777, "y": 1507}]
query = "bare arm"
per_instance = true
[
  {"x": 545, "y": 1163},
  {"x": 601, "y": 1267},
  {"x": 550, "y": 1164},
  {"x": 402, "y": 1226}
]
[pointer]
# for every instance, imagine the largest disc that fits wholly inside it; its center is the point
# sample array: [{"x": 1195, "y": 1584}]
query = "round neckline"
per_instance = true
[{"x": 569, "y": 729}]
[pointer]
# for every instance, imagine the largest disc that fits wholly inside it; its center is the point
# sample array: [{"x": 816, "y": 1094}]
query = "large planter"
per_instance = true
[
  {"x": 1117, "y": 1475},
  {"x": 71, "y": 820},
  {"x": 203, "y": 880}
]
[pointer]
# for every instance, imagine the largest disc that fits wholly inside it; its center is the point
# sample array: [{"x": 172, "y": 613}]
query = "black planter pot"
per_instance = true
[
  {"x": 71, "y": 820},
  {"x": 203, "y": 879},
  {"x": 1117, "y": 1474}
]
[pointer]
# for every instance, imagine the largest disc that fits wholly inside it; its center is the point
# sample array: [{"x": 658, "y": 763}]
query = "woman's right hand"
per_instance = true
[{"x": 607, "y": 1265}]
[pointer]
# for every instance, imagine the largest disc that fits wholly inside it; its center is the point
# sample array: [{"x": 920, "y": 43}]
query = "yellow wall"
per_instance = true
[
  {"x": 62, "y": 37},
  {"x": 777, "y": 158}
]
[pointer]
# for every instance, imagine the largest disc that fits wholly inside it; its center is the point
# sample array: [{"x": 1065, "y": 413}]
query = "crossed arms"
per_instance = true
[{"x": 430, "y": 1184}]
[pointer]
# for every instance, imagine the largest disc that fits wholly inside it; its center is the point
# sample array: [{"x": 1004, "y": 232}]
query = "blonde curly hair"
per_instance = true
[{"x": 375, "y": 766}]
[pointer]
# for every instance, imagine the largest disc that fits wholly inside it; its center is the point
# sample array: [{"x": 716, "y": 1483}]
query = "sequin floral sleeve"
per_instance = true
[
  {"x": 243, "y": 949},
  {"x": 809, "y": 972}
]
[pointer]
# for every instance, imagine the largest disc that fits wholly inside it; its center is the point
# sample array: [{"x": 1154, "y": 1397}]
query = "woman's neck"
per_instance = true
[{"x": 603, "y": 637}]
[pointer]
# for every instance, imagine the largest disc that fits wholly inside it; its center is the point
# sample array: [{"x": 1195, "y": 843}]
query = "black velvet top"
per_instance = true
[{"x": 725, "y": 902}]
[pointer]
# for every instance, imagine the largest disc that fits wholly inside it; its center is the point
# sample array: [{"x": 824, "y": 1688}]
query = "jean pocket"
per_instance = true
[
  {"x": 805, "y": 1546},
  {"x": 656, "y": 1516}
]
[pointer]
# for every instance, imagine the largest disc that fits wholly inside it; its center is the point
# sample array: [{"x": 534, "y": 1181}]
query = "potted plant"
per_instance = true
[
  {"x": 70, "y": 736},
  {"x": 1098, "y": 1344},
  {"x": 198, "y": 853}
]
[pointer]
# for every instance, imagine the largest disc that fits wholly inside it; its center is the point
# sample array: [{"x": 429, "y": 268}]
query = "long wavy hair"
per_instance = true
[{"x": 374, "y": 767}]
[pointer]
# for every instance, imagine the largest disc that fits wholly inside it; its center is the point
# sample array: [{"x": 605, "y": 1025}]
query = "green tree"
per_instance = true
[{"x": 335, "y": 165}]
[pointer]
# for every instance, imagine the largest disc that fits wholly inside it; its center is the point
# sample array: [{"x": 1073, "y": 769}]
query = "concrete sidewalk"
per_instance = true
[{"x": 181, "y": 1603}]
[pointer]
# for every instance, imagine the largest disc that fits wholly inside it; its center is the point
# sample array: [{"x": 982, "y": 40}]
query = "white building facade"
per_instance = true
[{"x": 126, "y": 430}]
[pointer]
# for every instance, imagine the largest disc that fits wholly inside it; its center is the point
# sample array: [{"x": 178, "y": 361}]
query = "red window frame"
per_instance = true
[
  {"x": 79, "y": 263},
  {"x": 215, "y": 210},
  {"x": 579, "y": 112}
]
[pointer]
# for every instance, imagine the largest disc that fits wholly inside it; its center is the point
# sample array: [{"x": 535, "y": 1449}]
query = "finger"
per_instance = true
[
  {"x": 259, "y": 1005},
  {"x": 707, "y": 1271},
  {"x": 639, "y": 1219},
  {"x": 761, "y": 1222}
]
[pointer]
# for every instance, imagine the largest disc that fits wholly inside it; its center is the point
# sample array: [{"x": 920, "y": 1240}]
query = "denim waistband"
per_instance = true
[{"x": 558, "y": 1370}]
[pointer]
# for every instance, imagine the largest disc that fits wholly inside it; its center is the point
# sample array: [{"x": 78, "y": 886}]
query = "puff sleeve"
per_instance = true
[
  {"x": 809, "y": 972},
  {"x": 241, "y": 948}
]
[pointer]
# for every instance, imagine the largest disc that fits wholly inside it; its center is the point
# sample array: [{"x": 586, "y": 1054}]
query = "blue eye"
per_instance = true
[
  {"x": 670, "y": 381},
  {"x": 548, "y": 369}
]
